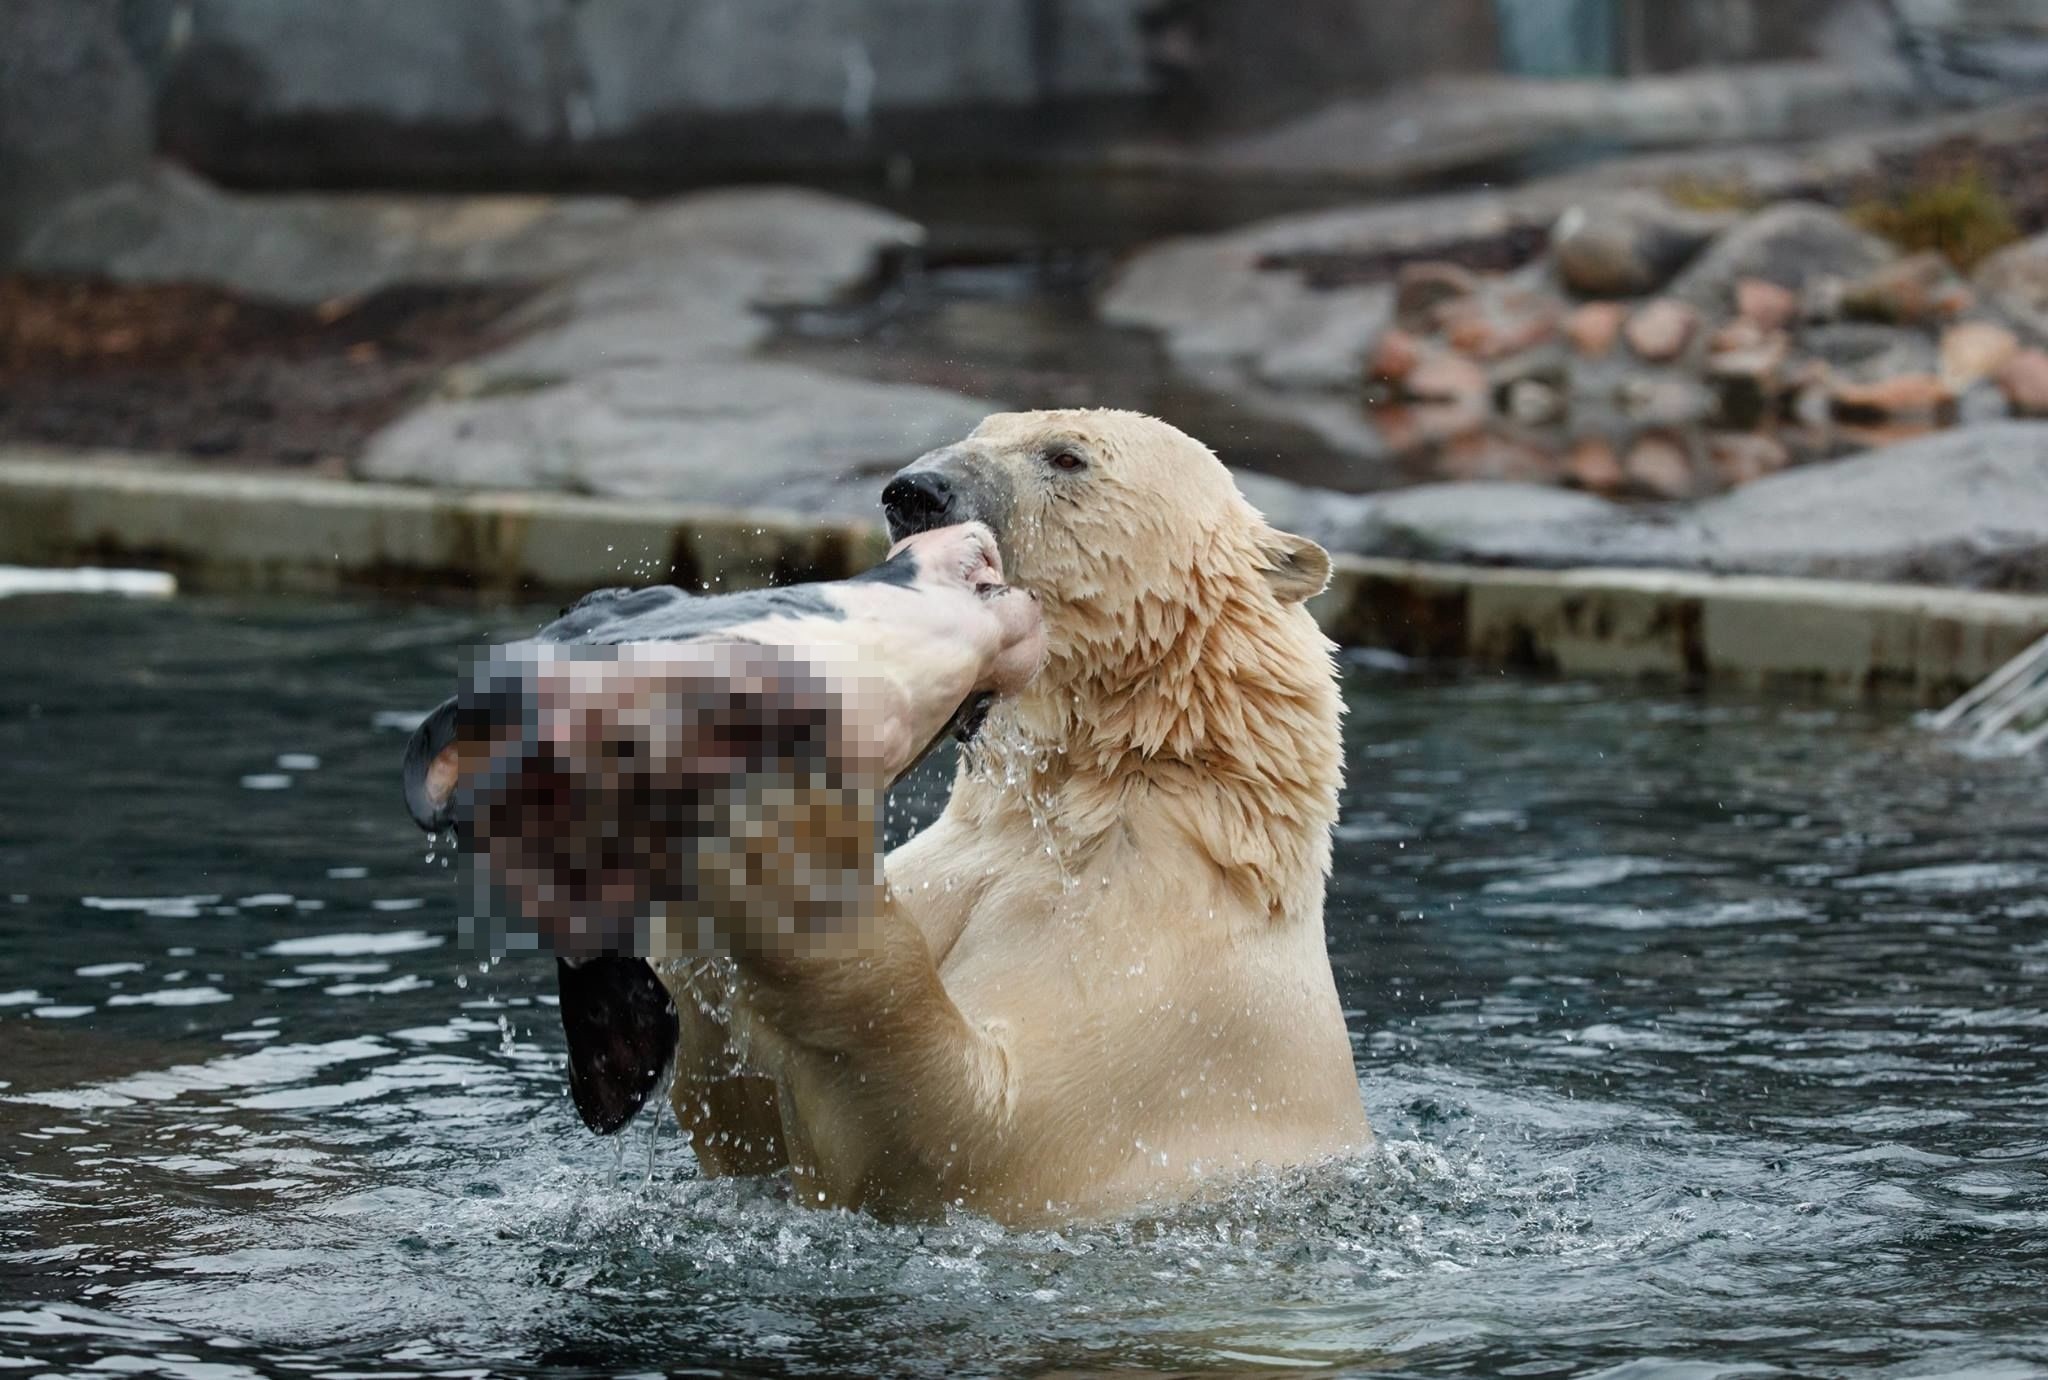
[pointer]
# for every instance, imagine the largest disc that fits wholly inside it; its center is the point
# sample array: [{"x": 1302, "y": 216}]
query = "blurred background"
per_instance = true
[{"x": 753, "y": 254}]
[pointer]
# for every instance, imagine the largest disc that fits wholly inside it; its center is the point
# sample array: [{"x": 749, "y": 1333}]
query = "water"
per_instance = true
[{"x": 1702, "y": 1037}]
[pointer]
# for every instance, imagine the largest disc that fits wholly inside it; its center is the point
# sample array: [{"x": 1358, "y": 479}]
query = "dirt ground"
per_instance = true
[{"x": 202, "y": 372}]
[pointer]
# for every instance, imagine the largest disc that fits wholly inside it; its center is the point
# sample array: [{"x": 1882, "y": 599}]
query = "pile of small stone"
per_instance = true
[{"x": 1649, "y": 339}]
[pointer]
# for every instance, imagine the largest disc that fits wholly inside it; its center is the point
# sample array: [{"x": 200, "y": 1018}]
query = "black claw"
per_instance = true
[{"x": 622, "y": 1030}]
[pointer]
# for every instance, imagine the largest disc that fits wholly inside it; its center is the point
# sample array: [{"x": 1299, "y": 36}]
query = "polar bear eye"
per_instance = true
[{"x": 1066, "y": 461}]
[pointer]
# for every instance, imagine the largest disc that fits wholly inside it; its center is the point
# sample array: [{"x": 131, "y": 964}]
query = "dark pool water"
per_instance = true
[{"x": 1704, "y": 1037}]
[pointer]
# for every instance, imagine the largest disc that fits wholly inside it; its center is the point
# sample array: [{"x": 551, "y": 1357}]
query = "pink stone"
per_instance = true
[
  {"x": 1765, "y": 305},
  {"x": 1593, "y": 328},
  {"x": 1660, "y": 465},
  {"x": 1661, "y": 331}
]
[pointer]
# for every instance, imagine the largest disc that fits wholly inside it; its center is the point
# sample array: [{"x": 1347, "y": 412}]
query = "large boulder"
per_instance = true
[
  {"x": 1325, "y": 341},
  {"x": 635, "y": 378},
  {"x": 687, "y": 279},
  {"x": 164, "y": 225},
  {"x": 1211, "y": 304},
  {"x": 1792, "y": 245},
  {"x": 75, "y": 108},
  {"x": 1963, "y": 507},
  {"x": 1489, "y": 524},
  {"x": 1627, "y": 246},
  {"x": 1966, "y": 507},
  {"x": 740, "y": 433}
]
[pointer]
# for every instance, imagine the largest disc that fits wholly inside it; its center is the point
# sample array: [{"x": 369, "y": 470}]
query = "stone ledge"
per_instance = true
[
  {"x": 231, "y": 532},
  {"x": 240, "y": 532},
  {"x": 1823, "y": 637}
]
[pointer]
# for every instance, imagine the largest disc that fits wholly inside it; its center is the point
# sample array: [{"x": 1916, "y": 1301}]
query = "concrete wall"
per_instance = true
[
  {"x": 1971, "y": 50},
  {"x": 492, "y": 92},
  {"x": 2014, "y": 16},
  {"x": 302, "y": 91},
  {"x": 74, "y": 107},
  {"x": 274, "y": 92},
  {"x": 1240, "y": 62},
  {"x": 1659, "y": 36}
]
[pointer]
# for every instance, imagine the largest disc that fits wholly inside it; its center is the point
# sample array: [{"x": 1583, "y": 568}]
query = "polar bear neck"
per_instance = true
[{"x": 1219, "y": 707}]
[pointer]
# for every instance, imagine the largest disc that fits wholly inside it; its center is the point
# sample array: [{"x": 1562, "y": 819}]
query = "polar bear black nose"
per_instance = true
[{"x": 918, "y": 501}]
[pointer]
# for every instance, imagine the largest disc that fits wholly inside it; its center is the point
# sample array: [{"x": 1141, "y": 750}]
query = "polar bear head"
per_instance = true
[
  {"x": 1181, "y": 660},
  {"x": 1123, "y": 524}
]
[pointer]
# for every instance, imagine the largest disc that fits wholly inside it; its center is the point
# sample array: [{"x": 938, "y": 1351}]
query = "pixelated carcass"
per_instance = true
[{"x": 658, "y": 775}]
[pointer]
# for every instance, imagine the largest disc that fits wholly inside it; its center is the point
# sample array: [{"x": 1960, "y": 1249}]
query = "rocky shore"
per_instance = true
[
  {"x": 1668, "y": 339},
  {"x": 1622, "y": 378}
]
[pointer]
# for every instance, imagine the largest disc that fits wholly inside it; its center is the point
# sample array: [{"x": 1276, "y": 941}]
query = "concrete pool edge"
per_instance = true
[
  {"x": 1827, "y": 638},
  {"x": 240, "y": 531},
  {"x": 243, "y": 531}
]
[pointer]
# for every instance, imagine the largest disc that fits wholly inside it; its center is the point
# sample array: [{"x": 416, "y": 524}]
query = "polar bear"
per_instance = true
[{"x": 1099, "y": 979}]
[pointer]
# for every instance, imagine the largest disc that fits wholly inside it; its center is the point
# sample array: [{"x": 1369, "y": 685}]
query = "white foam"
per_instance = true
[{"x": 354, "y": 945}]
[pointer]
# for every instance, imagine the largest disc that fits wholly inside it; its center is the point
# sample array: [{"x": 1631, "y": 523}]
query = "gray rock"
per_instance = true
[
  {"x": 2014, "y": 284},
  {"x": 736, "y": 433},
  {"x": 1205, "y": 299},
  {"x": 1962, "y": 507},
  {"x": 632, "y": 375},
  {"x": 1321, "y": 515},
  {"x": 1328, "y": 423},
  {"x": 770, "y": 246},
  {"x": 1323, "y": 341},
  {"x": 1866, "y": 352},
  {"x": 1419, "y": 130},
  {"x": 1789, "y": 244},
  {"x": 637, "y": 381},
  {"x": 1210, "y": 307},
  {"x": 75, "y": 108},
  {"x": 1982, "y": 403},
  {"x": 168, "y": 226},
  {"x": 574, "y": 345},
  {"x": 679, "y": 282},
  {"x": 1424, "y": 288},
  {"x": 685, "y": 280},
  {"x": 727, "y": 251},
  {"x": 1628, "y": 246},
  {"x": 1489, "y": 524},
  {"x": 1662, "y": 398}
]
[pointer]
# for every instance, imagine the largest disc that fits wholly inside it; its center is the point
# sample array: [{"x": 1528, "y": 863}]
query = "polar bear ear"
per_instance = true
[{"x": 1295, "y": 567}]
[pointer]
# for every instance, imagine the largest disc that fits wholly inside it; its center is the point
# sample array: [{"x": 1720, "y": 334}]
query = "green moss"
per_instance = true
[
  {"x": 1711, "y": 194},
  {"x": 1964, "y": 217}
]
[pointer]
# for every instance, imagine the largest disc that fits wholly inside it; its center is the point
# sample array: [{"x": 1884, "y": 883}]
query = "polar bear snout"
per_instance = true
[
  {"x": 918, "y": 501},
  {"x": 944, "y": 488}
]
